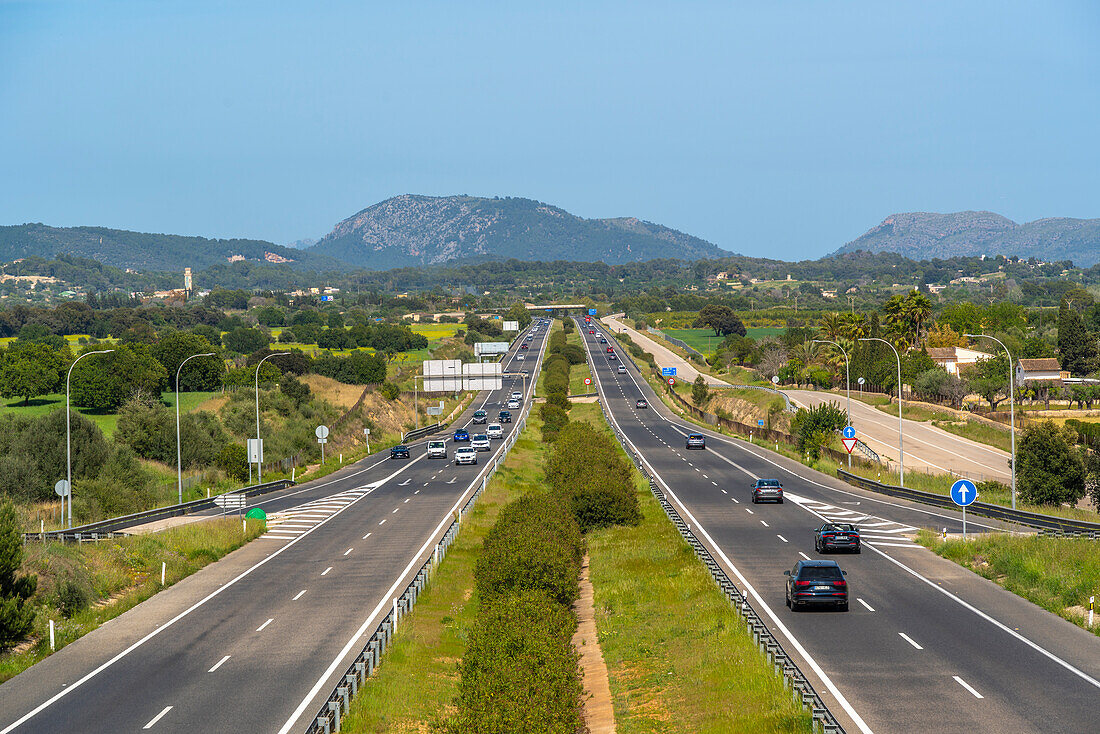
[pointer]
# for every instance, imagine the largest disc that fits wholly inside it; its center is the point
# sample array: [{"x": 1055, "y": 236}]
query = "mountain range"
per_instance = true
[
  {"x": 923, "y": 236},
  {"x": 427, "y": 230}
]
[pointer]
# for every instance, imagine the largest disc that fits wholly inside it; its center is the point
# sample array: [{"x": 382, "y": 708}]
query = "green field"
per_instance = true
[
  {"x": 763, "y": 332},
  {"x": 106, "y": 421},
  {"x": 702, "y": 340}
]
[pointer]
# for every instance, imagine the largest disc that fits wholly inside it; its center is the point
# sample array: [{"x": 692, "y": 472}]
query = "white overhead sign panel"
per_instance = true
[
  {"x": 485, "y": 376},
  {"x": 442, "y": 375},
  {"x": 483, "y": 348},
  {"x": 511, "y": 326}
]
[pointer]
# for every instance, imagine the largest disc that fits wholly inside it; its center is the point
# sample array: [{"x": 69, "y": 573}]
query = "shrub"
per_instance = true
[
  {"x": 554, "y": 418},
  {"x": 233, "y": 460},
  {"x": 519, "y": 673},
  {"x": 16, "y": 615},
  {"x": 389, "y": 390},
  {"x": 72, "y": 597},
  {"x": 1050, "y": 469},
  {"x": 586, "y": 467},
  {"x": 814, "y": 425},
  {"x": 534, "y": 545},
  {"x": 559, "y": 399}
]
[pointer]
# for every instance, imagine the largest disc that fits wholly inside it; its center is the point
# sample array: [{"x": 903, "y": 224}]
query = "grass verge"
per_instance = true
[
  {"x": 118, "y": 574},
  {"x": 1058, "y": 574}
]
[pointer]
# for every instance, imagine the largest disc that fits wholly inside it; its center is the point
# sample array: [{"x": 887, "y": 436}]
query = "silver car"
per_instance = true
[
  {"x": 465, "y": 455},
  {"x": 480, "y": 442}
]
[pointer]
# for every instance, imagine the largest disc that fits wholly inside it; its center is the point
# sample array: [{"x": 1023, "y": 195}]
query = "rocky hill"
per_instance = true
[
  {"x": 424, "y": 230},
  {"x": 923, "y": 236},
  {"x": 149, "y": 252}
]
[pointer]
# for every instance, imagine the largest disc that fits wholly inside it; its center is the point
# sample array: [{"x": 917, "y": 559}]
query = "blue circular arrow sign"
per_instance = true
[
  {"x": 963, "y": 492},
  {"x": 849, "y": 432}
]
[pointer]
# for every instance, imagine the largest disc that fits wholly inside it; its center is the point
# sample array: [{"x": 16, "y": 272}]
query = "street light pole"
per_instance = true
[
  {"x": 179, "y": 450},
  {"x": 847, "y": 381},
  {"x": 1011, "y": 406},
  {"x": 259, "y": 451},
  {"x": 901, "y": 448},
  {"x": 68, "y": 428}
]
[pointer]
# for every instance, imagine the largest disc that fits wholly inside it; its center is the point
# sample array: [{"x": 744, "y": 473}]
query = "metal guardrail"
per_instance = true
[
  {"x": 1078, "y": 528},
  {"x": 785, "y": 667},
  {"x": 867, "y": 451},
  {"x": 110, "y": 528},
  {"x": 421, "y": 432},
  {"x": 338, "y": 702}
]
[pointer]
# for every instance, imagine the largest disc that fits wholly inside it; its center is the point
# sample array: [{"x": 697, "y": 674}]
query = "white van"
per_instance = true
[
  {"x": 437, "y": 449},
  {"x": 494, "y": 430}
]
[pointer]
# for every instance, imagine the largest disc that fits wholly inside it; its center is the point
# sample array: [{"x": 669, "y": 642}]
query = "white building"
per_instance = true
[
  {"x": 951, "y": 358},
  {"x": 1039, "y": 370}
]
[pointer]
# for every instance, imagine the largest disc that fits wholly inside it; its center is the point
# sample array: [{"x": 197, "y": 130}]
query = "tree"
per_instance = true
[
  {"x": 16, "y": 615},
  {"x": 813, "y": 426},
  {"x": 942, "y": 335},
  {"x": 271, "y": 316},
  {"x": 699, "y": 390},
  {"x": 518, "y": 312},
  {"x": 203, "y": 373},
  {"x": 1049, "y": 468},
  {"x": 1076, "y": 347},
  {"x": 989, "y": 378},
  {"x": 105, "y": 381},
  {"x": 244, "y": 340},
  {"x": 721, "y": 318},
  {"x": 29, "y": 369},
  {"x": 295, "y": 389}
]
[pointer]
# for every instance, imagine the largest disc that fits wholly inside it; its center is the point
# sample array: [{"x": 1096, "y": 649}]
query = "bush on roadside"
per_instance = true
[
  {"x": 554, "y": 418},
  {"x": 588, "y": 469}
]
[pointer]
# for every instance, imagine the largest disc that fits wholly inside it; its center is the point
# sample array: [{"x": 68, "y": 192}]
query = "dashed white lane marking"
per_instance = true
[
  {"x": 782, "y": 538},
  {"x": 395, "y": 510},
  {"x": 417, "y": 492},
  {"x": 735, "y": 500},
  {"x": 869, "y": 607},
  {"x": 714, "y": 483},
  {"x": 803, "y": 555},
  {"x": 218, "y": 664},
  {"x": 910, "y": 640},
  {"x": 749, "y": 511},
  {"x": 382, "y": 521},
  {"x": 299, "y": 595},
  {"x": 366, "y": 536},
  {"x": 408, "y": 498},
  {"x": 958, "y": 680},
  {"x": 157, "y": 718},
  {"x": 261, "y": 627},
  {"x": 765, "y": 524},
  {"x": 349, "y": 550},
  {"x": 723, "y": 491}
]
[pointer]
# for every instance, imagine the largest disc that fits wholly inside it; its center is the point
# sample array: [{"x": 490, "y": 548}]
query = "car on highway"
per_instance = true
[
  {"x": 591, "y": 331},
  {"x": 504, "y": 416},
  {"x": 695, "y": 441},
  {"x": 836, "y": 536},
  {"x": 520, "y": 356},
  {"x": 767, "y": 490},
  {"x": 816, "y": 582},
  {"x": 437, "y": 449},
  {"x": 621, "y": 369},
  {"x": 480, "y": 442},
  {"x": 529, "y": 338},
  {"x": 516, "y": 395},
  {"x": 612, "y": 358},
  {"x": 513, "y": 404},
  {"x": 602, "y": 340},
  {"x": 639, "y": 403},
  {"x": 610, "y": 349},
  {"x": 461, "y": 435},
  {"x": 465, "y": 455},
  {"x": 494, "y": 430},
  {"x": 523, "y": 346},
  {"x": 400, "y": 451},
  {"x": 480, "y": 416}
]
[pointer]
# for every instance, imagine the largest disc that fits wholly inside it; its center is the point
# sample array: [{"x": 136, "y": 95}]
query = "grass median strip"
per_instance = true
[{"x": 1058, "y": 574}]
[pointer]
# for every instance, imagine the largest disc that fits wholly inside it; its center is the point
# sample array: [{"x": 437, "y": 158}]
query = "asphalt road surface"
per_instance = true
[
  {"x": 927, "y": 646},
  {"x": 255, "y": 642},
  {"x": 927, "y": 448}
]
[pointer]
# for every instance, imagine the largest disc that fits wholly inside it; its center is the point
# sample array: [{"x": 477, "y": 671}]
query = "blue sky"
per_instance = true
[{"x": 778, "y": 129}]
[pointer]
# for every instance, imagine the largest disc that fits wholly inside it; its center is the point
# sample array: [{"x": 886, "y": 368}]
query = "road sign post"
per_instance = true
[
  {"x": 849, "y": 440},
  {"x": 322, "y": 438},
  {"x": 587, "y": 381},
  {"x": 366, "y": 435},
  {"x": 963, "y": 493}
]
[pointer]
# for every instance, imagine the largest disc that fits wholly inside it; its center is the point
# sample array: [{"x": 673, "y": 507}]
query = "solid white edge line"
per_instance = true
[
  {"x": 135, "y": 645},
  {"x": 910, "y": 640},
  {"x": 967, "y": 686},
  {"x": 218, "y": 664},
  {"x": 158, "y": 717},
  {"x": 822, "y": 675},
  {"x": 297, "y": 714}
]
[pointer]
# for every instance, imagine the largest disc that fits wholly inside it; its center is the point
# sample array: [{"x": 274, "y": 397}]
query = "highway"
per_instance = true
[
  {"x": 927, "y": 646},
  {"x": 256, "y": 641},
  {"x": 927, "y": 448}
]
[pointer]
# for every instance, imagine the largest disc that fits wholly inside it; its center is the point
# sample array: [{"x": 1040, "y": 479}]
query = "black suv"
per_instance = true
[
  {"x": 401, "y": 451},
  {"x": 505, "y": 416},
  {"x": 836, "y": 536},
  {"x": 816, "y": 582}
]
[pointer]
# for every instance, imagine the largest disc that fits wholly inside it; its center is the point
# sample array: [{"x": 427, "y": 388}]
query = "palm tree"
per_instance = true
[
  {"x": 854, "y": 326},
  {"x": 832, "y": 326},
  {"x": 917, "y": 310}
]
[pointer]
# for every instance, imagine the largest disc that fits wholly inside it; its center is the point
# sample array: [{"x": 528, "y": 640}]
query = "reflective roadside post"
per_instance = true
[
  {"x": 179, "y": 450},
  {"x": 901, "y": 449},
  {"x": 68, "y": 428},
  {"x": 259, "y": 455},
  {"x": 1011, "y": 406}
]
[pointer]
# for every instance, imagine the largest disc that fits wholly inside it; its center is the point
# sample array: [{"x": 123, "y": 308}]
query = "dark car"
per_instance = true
[
  {"x": 505, "y": 416},
  {"x": 603, "y": 340},
  {"x": 639, "y": 403},
  {"x": 767, "y": 490},
  {"x": 400, "y": 451},
  {"x": 523, "y": 346},
  {"x": 480, "y": 416},
  {"x": 461, "y": 435},
  {"x": 816, "y": 582},
  {"x": 612, "y": 358},
  {"x": 836, "y": 536},
  {"x": 696, "y": 441}
]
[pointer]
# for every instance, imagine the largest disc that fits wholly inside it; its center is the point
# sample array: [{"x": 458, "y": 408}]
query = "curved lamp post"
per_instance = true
[
  {"x": 259, "y": 455},
  {"x": 68, "y": 428},
  {"x": 901, "y": 450},
  {"x": 847, "y": 381},
  {"x": 179, "y": 451},
  {"x": 1011, "y": 406}
]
